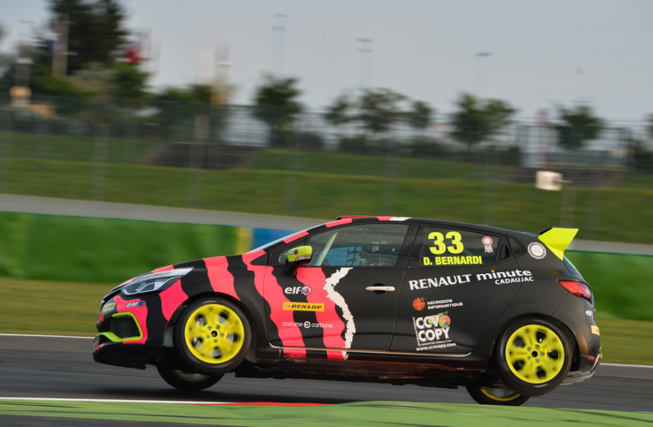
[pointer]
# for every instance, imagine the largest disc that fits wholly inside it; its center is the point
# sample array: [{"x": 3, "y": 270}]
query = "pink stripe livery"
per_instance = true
[
  {"x": 171, "y": 298},
  {"x": 290, "y": 336},
  {"x": 315, "y": 278},
  {"x": 140, "y": 313},
  {"x": 221, "y": 279}
]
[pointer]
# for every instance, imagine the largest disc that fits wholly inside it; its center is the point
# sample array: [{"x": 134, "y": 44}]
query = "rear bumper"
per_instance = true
[{"x": 582, "y": 375}]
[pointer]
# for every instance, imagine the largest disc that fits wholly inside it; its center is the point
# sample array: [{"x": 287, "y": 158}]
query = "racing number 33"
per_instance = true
[{"x": 440, "y": 241}]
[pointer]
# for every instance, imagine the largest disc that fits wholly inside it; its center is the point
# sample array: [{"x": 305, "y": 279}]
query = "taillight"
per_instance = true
[{"x": 579, "y": 289}]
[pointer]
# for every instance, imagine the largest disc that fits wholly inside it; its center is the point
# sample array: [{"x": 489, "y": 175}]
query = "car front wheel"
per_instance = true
[
  {"x": 212, "y": 336},
  {"x": 532, "y": 357}
]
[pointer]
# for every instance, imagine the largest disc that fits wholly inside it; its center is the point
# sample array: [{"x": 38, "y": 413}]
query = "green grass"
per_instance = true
[
  {"x": 64, "y": 308},
  {"x": 361, "y": 414}
]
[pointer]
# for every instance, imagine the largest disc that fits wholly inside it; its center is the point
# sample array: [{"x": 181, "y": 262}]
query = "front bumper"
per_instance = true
[
  {"x": 123, "y": 333},
  {"x": 118, "y": 354}
]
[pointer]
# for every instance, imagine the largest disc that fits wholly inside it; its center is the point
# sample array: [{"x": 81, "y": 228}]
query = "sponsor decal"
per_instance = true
[
  {"x": 108, "y": 307},
  {"x": 296, "y": 290},
  {"x": 595, "y": 330},
  {"x": 302, "y": 306},
  {"x": 138, "y": 303},
  {"x": 420, "y": 304},
  {"x": 436, "y": 282},
  {"x": 432, "y": 332},
  {"x": 589, "y": 313},
  {"x": 454, "y": 260},
  {"x": 307, "y": 325},
  {"x": 536, "y": 250},
  {"x": 487, "y": 243},
  {"x": 506, "y": 277}
]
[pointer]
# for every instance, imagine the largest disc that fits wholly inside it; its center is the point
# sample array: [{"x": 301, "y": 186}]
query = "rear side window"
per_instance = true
[{"x": 453, "y": 247}]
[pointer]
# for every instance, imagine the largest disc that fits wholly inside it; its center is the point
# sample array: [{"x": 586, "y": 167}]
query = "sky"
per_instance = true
[{"x": 533, "y": 54}]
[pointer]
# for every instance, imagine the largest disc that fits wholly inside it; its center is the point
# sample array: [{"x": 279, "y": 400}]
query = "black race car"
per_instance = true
[{"x": 385, "y": 299}]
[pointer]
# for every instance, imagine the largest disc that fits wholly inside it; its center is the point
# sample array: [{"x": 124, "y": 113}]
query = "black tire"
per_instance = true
[
  {"x": 187, "y": 381},
  {"x": 212, "y": 336},
  {"x": 532, "y": 357},
  {"x": 496, "y": 396}
]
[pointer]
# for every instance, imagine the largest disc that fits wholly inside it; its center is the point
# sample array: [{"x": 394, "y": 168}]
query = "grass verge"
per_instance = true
[{"x": 358, "y": 414}]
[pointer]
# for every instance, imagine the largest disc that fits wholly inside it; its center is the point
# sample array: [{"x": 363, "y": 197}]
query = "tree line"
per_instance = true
[{"x": 87, "y": 56}]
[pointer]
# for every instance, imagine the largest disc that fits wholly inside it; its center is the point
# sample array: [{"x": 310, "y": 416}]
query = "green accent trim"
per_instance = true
[{"x": 115, "y": 338}]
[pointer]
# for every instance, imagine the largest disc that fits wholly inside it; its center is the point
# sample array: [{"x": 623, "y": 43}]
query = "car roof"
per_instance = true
[{"x": 436, "y": 222}]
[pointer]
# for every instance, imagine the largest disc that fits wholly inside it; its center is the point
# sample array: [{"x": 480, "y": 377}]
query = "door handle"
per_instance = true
[{"x": 379, "y": 288}]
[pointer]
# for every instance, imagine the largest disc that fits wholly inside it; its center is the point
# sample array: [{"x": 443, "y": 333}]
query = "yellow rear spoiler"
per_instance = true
[{"x": 558, "y": 239}]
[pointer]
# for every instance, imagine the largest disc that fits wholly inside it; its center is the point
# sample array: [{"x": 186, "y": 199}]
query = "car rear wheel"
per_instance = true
[
  {"x": 532, "y": 357},
  {"x": 187, "y": 381},
  {"x": 496, "y": 395},
  {"x": 212, "y": 336}
]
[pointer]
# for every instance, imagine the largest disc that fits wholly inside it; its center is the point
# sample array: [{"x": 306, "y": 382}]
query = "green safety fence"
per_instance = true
[
  {"x": 82, "y": 249},
  {"x": 620, "y": 282}
]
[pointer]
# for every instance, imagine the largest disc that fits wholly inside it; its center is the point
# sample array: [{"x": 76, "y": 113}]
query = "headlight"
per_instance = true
[{"x": 154, "y": 282}]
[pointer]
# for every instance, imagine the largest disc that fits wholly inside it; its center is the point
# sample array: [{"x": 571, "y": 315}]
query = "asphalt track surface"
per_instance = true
[{"x": 63, "y": 368}]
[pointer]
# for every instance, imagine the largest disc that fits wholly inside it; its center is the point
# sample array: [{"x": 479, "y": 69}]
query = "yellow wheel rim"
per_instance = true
[
  {"x": 535, "y": 354},
  {"x": 214, "y": 333},
  {"x": 498, "y": 394}
]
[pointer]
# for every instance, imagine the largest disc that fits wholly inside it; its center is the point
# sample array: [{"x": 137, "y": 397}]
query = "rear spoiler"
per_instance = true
[{"x": 558, "y": 239}]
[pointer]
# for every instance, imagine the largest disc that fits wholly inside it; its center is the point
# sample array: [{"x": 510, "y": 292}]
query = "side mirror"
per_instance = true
[{"x": 297, "y": 257}]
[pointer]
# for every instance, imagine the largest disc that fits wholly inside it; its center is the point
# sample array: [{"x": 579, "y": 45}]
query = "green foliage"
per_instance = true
[
  {"x": 337, "y": 113},
  {"x": 4, "y": 58},
  {"x": 421, "y": 115},
  {"x": 577, "y": 125},
  {"x": 183, "y": 111},
  {"x": 649, "y": 125},
  {"x": 476, "y": 121},
  {"x": 276, "y": 105},
  {"x": 129, "y": 82},
  {"x": 377, "y": 110},
  {"x": 95, "y": 30}
]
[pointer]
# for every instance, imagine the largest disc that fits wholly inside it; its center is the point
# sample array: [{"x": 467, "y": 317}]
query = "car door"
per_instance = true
[
  {"x": 346, "y": 297},
  {"x": 458, "y": 283}
]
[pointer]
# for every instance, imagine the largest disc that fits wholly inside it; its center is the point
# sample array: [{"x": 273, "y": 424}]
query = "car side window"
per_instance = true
[
  {"x": 370, "y": 245},
  {"x": 451, "y": 247}
]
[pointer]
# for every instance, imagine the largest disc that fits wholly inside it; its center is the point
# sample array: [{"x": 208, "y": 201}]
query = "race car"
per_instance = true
[{"x": 387, "y": 299}]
